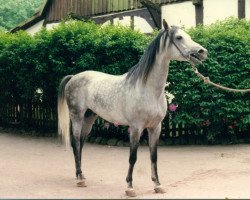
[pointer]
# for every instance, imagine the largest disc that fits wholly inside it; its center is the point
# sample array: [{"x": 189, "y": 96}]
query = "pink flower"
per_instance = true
[
  {"x": 231, "y": 126},
  {"x": 172, "y": 107},
  {"x": 116, "y": 124},
  {"x": 106, "y": 125},
  {"x": 206, "y": 123},
  {"x": 129, "y": 130}
]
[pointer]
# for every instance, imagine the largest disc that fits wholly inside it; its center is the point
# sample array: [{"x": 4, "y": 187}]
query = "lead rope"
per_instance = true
[{"x": 207, "y": 81}]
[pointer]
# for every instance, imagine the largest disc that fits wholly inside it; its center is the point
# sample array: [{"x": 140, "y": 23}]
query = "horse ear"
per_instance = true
[{"x": 165, "y": 24}]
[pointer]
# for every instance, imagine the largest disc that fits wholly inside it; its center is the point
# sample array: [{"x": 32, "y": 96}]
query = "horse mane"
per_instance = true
[{"x": 143, "y": 68}]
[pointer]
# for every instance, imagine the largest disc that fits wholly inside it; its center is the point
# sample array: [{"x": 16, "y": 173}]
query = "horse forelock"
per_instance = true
[{"x": 145, "y": 65}]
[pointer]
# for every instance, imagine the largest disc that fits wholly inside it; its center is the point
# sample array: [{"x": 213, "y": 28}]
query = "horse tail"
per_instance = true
[{"x": 63, "y": 112}]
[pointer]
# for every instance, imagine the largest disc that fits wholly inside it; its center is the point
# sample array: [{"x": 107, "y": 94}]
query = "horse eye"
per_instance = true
[{"x": 179, "y": 37}]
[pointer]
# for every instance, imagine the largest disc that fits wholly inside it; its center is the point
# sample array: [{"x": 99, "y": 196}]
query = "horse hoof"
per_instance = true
[
  {"x": 81, "y": 183},
  {"x": 130, "y": 192},
  {"x": 159, "y": 189}
]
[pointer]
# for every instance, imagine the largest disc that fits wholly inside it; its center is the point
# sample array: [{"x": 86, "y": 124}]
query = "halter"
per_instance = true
[{"x": 177, "y": 47}]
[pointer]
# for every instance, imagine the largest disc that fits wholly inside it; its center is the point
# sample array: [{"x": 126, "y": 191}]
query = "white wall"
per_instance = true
[
  {"x": 248, "y": 9},
  {"x": 184, "y": 13},
  {"x": 35, "y": 28},
  {"x": 52, "y": 25},
  {"x": 140, "y": 24},
  {"x": 180, "y": 14},
  {"x": 218, "y": 10}
]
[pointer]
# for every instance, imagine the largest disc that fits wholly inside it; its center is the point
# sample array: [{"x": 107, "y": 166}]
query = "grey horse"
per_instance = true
[{"x": 135, "y": 99}]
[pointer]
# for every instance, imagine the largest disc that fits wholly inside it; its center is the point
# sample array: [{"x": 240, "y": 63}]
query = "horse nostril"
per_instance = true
[{"x": 201, "y": 51}]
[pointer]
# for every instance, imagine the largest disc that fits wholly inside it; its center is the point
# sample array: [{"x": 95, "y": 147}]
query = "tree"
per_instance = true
[{"x": 13, "y": 12}]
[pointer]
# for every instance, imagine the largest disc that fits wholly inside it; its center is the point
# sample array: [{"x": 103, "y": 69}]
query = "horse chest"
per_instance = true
[
  {"x": 154, "y": 118},
  {"x": 152, "y": 113}
]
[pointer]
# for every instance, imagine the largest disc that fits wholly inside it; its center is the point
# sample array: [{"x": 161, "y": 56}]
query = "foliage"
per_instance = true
[
  {"x": 31, "y": 62},
  {"x": 18, "y": 68},
  {"x": 13, "y": 12}
]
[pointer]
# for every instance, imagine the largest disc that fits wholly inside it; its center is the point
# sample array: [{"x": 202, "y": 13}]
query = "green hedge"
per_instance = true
[{"x": 28, "y": 63}]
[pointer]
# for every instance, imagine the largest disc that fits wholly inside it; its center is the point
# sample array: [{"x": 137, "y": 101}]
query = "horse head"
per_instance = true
[{"x": 182, "y": 48}]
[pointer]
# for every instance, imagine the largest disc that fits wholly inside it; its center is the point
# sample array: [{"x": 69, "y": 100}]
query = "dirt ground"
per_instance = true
[{"x": 34, "y": 167}]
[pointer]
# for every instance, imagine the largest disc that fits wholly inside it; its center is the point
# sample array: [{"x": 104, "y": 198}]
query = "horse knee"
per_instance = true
[
  {"x": 133, "y": 153},
  {"x": 77, "y": 142},
  {"x": 132, "y": 159},
  {"x": 73, "y": 141}
]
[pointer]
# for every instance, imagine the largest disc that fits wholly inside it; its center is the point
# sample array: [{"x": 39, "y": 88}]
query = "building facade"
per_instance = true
[{"x": 133, "y": 13}]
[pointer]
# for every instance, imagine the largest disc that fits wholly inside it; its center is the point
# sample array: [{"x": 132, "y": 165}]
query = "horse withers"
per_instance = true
[{"x": 135, "y": 99}]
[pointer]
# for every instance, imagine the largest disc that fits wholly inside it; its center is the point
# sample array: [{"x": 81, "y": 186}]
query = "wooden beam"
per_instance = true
[
  {"x": 143, "y": 13},
  {"x": 241, "y": 9},
  {"x": 154, "y": 10},
  {"x": 199, "y": 14}
]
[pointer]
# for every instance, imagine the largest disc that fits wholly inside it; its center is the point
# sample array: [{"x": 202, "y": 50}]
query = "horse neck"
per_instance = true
[{"x": 157, "y": 78}]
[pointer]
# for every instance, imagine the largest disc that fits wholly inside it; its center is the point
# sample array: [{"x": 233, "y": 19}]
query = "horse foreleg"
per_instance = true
[
  {"x": 153, "y": 135},
  {"x": 134, "y": 144}
]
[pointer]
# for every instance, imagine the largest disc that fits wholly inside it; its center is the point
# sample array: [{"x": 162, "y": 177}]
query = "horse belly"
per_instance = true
[
  {"x": 106, "y": 101},
  {"x": 111, "y": 114}
]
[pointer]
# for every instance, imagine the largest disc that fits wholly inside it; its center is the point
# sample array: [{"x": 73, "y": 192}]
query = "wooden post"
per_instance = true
[
  {"x": 132, "y": 22},
  {"x": 112, "y": 21},
  {"x": 241, "y": 9},
  {"x": 198, "y": 11}
]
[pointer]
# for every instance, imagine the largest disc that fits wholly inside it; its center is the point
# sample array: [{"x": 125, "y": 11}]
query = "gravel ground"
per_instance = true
[{"x": 35, "y": 167}]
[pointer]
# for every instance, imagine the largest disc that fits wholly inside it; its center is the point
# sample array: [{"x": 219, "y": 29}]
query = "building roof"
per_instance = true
[{"x": 56, "y": 10}]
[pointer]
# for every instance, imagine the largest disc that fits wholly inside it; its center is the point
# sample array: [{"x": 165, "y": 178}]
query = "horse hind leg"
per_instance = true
[
  {"x": 88, "y": 121},
  {"x": 77, "y": 140},
  {"x": 81, "y": 127}
]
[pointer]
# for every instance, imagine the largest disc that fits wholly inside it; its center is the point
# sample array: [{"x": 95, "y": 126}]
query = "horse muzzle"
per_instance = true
[{"x": 197, "y": 57}]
